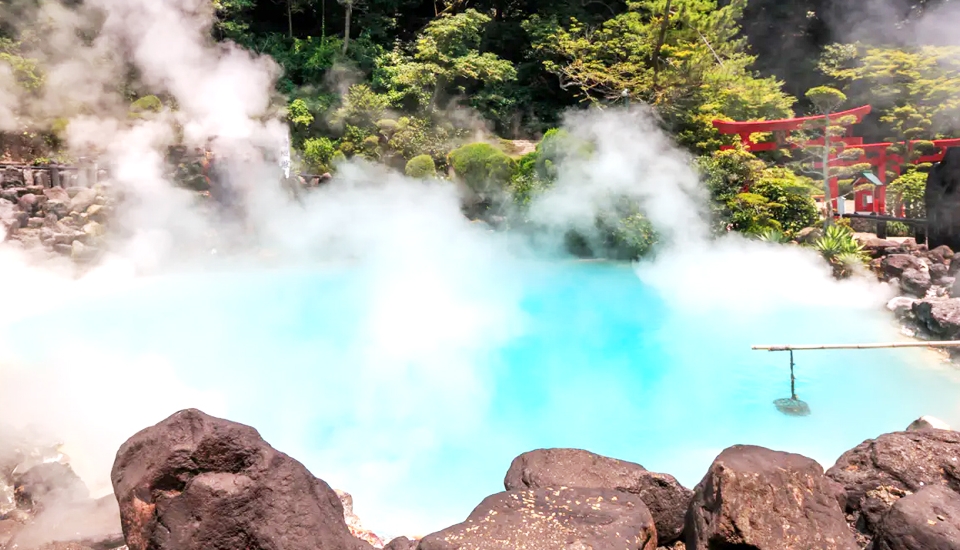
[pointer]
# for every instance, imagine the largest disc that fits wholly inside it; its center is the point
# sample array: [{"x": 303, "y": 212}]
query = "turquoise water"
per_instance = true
[{"x": 418, "y": 406}]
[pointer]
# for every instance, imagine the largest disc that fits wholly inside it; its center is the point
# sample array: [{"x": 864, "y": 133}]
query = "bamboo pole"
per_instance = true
[{"x": 940, "y": 344}]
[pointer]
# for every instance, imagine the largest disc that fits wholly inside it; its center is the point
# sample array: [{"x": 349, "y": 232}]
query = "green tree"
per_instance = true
[
  {"x": 445, "y": 60},
  {"x": 751, "y": 197},
  {"x": 686, "y": 58}
]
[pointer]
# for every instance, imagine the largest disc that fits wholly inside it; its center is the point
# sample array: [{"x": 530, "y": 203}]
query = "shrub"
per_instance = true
[
  {"x": 908, "y": 192},
  {"x": 421, "y": 166},
  {"x": 633, "y": 237},
  {"x": 838, "y": 247},
  {"x": 361, "y": 107},
  {"x": 318, "y": 153},
  {"x": 898, "y": 229},
  {"x": 146, "y": 104},
  {"x": 483, "y": 167}
]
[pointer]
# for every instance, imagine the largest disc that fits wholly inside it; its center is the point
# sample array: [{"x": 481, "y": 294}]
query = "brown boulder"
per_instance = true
[
  {"x": 875, "y": 473},
  {"x": 895, "y": 264},
  {"x": 926, "y": 520},
  {"x": 666, "y": 499},
  {"x": 758, "y": 499},
  {"x": 195, "y": 482},
  {"x": 401, "y": 543},
  {"x": 878, "y": 247},
  {"x": 550, "y": 519},
  {"x": 939, "y": 316},
  {"x": 915, "y": 282}
]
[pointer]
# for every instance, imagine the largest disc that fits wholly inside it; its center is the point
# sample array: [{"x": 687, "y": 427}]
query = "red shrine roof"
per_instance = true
[{"x": 749, "y": 127}]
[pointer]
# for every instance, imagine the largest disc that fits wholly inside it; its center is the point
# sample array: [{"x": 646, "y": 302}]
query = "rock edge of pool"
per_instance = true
[{"x": 194, "y": 481}]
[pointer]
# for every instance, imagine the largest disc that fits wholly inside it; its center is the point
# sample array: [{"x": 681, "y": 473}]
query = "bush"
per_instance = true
[
  {"x": 483, "y": 167},
  {"x": 907, "y": 191},
  {"x": 318, "y": 153},
  {"x": 841, "y": 250},
  {"x": 633, "y": 238},
  {"x": 421, "y": 166},
  {"x": 898, "y": 229}
]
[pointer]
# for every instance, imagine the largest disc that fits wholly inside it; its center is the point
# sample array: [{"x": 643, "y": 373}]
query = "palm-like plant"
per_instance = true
[
  {"x": 773, "y": 236},
  {"x": 838, "y": 247}
]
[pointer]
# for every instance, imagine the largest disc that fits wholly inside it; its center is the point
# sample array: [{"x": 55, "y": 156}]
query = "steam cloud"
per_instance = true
[{"x": 433, "y": 297}]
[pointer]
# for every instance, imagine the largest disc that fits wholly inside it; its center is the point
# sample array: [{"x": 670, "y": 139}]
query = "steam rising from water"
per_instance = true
[{"x": 405, "y": 358}]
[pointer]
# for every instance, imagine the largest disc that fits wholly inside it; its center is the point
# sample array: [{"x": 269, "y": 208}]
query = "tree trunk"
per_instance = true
[
  {"x": 346, "y": 25},
  {"x": 825, "y": 160},
  {"x": 290, "y": 18},
  {"x": 660, "y": 40}
]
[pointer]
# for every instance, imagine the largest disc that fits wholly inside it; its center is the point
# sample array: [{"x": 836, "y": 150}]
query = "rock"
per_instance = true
[
  {"x": 904, "y": 461},
  {"x": 759, "y": 499},
  {"x": 57, "y": 194},
  {"x": 58, "y": 207},
  {"x": 938, "y": 272},
  {"x": 11, "y": 194},
  {"x": 915, "y": 282},
  {"x": 353, "y": 522},
  {"x": 943, "y": 251},
  {"x": 895, "y": 265},
  {"x": 94, "y": 229},
  {"x": 8, "y": 528},
  {"x": 926, "y": 520},
  {"x": 808, "y": 235},
  {"x": 195, "y": 482},
  {"x": 97, "y": 212},
  {"x": 74, "y": 190},
  {"x": 401, "y": 543},
  {"x": 901, "y": 306},
  {"x": 12, "y": 177},
  {"x": 50, "y": 484},
  {"x": 666, "y": 499},
  {"x": 28, "y": 203},
  {"x": 927, "y": 423},
  {"x": 551, "y": 519},
  {"x": 940, "y": 316},
  {"x": 878, "y": 247},
  {"x": 35, "y": 223},
  {"x": 83, "y": 199}
]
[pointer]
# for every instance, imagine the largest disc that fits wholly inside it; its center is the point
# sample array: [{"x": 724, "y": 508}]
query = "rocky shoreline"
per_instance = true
[{"x": 196, "y": 482}]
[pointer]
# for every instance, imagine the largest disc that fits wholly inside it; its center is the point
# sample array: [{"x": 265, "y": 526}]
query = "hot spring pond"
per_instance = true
[{"x": 415, "y": 394}]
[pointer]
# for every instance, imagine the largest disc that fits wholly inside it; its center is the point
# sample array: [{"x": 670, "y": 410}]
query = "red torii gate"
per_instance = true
[{"x": 874, "y": 154}]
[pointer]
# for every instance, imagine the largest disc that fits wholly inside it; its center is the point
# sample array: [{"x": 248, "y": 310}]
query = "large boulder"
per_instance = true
[
  {"x": 878, "y": 247},
  {"x": 195, "y": 482},
  {"x": 666, "y": 499},
  {"x": 940, "y": 316},
  {"x": 879, "y": 471},
  {"x": 83, "y": 199},
  {"x": 915, "y": 282},
  {"x": 926, "y": 520},
  {"x": 551, "y": 519},
  {"x": 759, "y": 499},
  {"x": 895, "y": 264},
  {"x": 401, "y": 543}
]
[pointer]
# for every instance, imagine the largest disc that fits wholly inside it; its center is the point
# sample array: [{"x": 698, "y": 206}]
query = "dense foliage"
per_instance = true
[{"x": 438, "y": 88}]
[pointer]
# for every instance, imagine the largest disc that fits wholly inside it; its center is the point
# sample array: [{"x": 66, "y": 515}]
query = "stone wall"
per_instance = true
[{"x": 63, "y": 210}]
